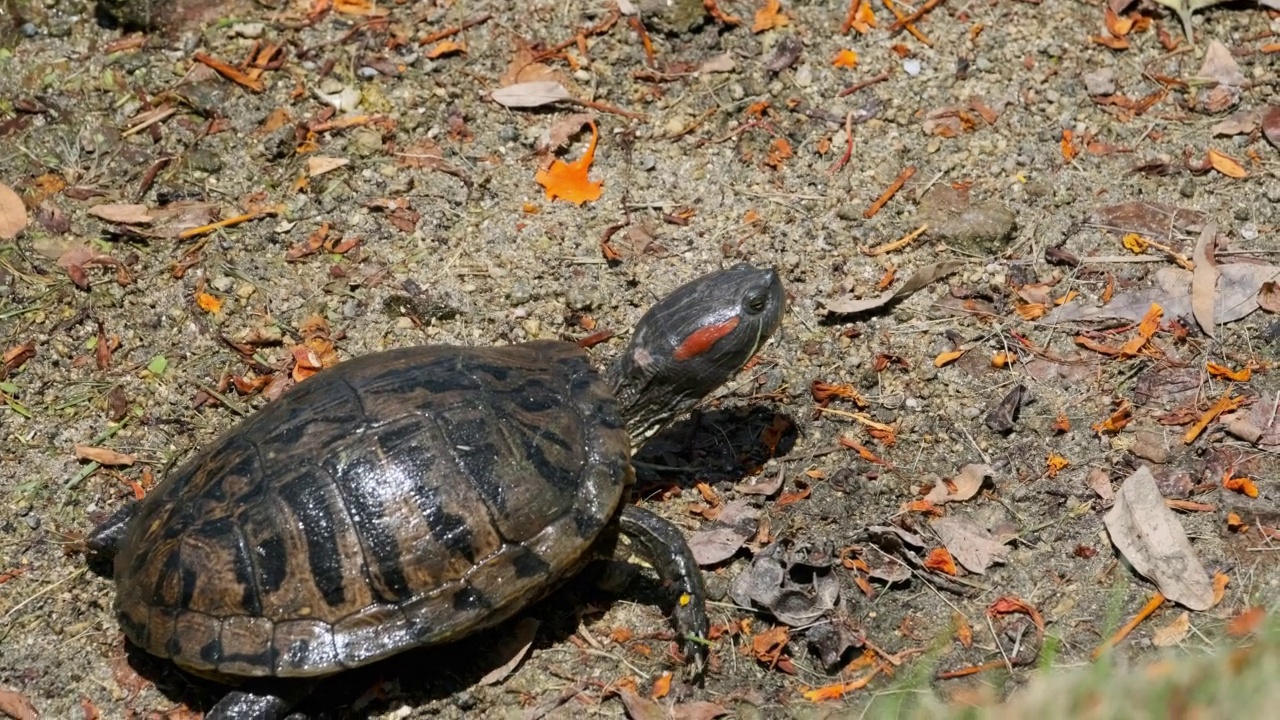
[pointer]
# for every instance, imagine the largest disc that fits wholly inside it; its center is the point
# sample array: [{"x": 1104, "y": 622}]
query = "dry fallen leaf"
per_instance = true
[
  {"x": 1150, "y": 537},
  {"x": 16, "y": 705},
  {"x": 963, "y": 486},
  {"x": 846, "y": 59},
  {"x": 971, "y": 545},
  {"x": 1173, "y": 633},
  {"x": 1204, "y": 279},
  {"x": 103, "y": 456},
  {"x": 1271, "y": 124},
  {"x": 920, "y": 279},
  {"x": 1227, "y": 165},
  {"x": 530, "y": 94},
  {"x": 13, "y": 213},
  {"x": 511, "y": 649},
  {"x": 319, "y": 165},
  {"x": 569, "y": 181},
  {"x": 769, "y": 17},
  {"x": 122, "y": 213}
]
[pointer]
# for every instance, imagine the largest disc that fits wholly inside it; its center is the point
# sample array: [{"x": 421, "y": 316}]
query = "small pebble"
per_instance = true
[
  {"x": 32, "y": 521},
  {"x": 29, "y": 30},
  {"x": 911, "y": 66},
  {"x": 223, "y": 283},
  {"x": 366, "y": 73}
]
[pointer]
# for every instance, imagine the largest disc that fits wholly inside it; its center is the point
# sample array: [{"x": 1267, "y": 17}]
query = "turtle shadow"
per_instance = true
[{"x": 720, "y": 445}]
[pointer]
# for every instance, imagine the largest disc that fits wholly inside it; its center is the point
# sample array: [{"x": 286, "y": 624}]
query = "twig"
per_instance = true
[
  {"x": 902, "y": 22},
  {"x": 889, "y": 192},
  {"x": 848, "y": 150},
  {"x": 865, "y": 83},
  {"x": 450, "y": 32}
]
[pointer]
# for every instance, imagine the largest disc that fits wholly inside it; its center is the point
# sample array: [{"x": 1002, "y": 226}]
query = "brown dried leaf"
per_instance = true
[
  {"x": 1220, "y": 67},
  {"x": 122, "y": 213},
  {"x": 971, "y": 545},
  {"x": 963, "y": 486},
  {"x": 1270, "y": 125},
  {"x": 641, "y": 708},
  {"x": 921, "y": 278},
  {"x": 530, "y": 94},
  {"x": 16, "y": 705},
  {"x": 1269, "y": 297},
  {"x": 512, "y": 648},
  {"x": 13, "y": 213},
  {"x": 1173, "y": 633},
  {"x": 1204, "y": 278},
  {"x": 697, "y": 711},
  {"x": 561, "y": 131},
  {"x": 716, "y": 545},
  {"x": 1150, "y": 537},
  {"x": 104, "y": 456}
]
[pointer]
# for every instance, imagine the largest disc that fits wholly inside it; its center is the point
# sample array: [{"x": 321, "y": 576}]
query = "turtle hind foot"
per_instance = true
[{"x": 241, "y": 705}]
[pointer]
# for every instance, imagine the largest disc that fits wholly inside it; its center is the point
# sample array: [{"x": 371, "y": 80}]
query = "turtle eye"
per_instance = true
[{"x": 757, "y": 303}]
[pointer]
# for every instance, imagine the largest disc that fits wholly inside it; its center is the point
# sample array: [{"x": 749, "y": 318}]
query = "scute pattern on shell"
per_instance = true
[{"x": 398, "y": 499}]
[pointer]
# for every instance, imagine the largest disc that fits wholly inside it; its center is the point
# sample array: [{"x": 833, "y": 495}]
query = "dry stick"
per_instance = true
[
  {"x": 596, "y": 29},
  {"x": 848, "y": 150},
  {"x": 238, "y": 219},
  {"x": 902, "y": 19},
  {"x": 1155, "y": 602},
  {"x": 865, "y": 83},
  {"x": 230, "y": 72},
  {"x": 902, "y": 22},
  {"x": 898, "y": 244},
  {"x": 602, "y": 107},
  {"x": 450, "y": 32},
  {"x": 889, "y": 192}
]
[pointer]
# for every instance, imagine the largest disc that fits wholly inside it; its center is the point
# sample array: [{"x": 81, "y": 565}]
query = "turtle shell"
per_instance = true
[{"x": 398, "y": 499}]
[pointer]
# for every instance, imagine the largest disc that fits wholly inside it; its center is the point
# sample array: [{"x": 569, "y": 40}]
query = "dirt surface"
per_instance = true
[{"x": 727, "y": 145}]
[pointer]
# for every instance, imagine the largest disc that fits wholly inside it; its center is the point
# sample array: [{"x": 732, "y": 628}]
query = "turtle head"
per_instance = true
[{"x": 691, "y": 342}]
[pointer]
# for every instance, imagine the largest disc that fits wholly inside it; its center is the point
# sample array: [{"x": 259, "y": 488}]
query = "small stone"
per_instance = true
[
  {"x": 519, "y": 294},
  {"x": 223, "y": 283},
  {"x": 1150, "y": 446},
  {"x": 579, "y": 298},
  {"x": 532, "y": 327},
  {"x": 1101, "y": 82},
  {"x": 248, "y": 30},
  {"x": 911, "y": 66},
  {"x": 245, "y": 290},
  {"x": 32, "y": 521},
  {"x": 364, "y": 72}
]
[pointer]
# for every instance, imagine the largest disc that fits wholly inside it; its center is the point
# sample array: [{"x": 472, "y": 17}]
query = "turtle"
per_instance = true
[{"x": 413, "y": 496}]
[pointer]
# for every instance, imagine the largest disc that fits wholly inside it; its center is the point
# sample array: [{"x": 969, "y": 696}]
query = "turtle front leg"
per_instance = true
[
  {"x": 240, "y": 705},
  {"x": 663, "y": 546}
]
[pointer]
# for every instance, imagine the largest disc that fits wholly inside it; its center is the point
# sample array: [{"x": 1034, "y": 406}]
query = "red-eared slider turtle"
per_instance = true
[{"x": 413, "y": 496}]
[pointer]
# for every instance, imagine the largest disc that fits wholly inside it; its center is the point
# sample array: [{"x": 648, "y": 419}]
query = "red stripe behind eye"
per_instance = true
[{"x": 701, "y": 340}]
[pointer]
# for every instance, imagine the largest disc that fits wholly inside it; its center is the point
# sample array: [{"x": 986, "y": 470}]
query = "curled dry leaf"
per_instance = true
[
  {"x": 716, "y": 545},
  {"x": 963, "y": 486},
  {"x": 13, "y": 213},
  {"x": 530, "y": 94},
  {"x": 104, "y": 456},
  {"x": 794, "y": 582},
  {"x": 1148, "y": 534}
]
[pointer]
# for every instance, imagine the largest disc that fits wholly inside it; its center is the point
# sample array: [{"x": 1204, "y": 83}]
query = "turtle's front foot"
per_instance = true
[{"x": 663, "y": 546}]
